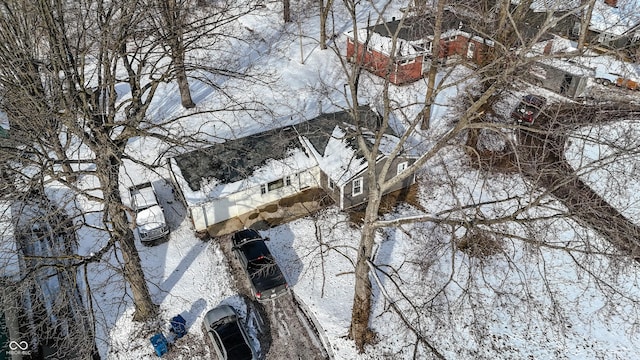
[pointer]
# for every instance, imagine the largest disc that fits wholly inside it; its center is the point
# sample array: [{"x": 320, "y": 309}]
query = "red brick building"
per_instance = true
[{"x": 408, "y": 58}]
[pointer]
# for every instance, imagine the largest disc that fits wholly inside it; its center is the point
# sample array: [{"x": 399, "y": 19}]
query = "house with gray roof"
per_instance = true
[{"x": 225, "y": 186}]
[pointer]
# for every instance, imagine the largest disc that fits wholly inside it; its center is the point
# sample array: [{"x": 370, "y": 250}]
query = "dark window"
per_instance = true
[{"x": 275, "y": 185}]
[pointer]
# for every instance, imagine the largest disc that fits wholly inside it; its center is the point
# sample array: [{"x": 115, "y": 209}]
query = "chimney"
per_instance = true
[
  {"x": 547, "y": 47},
  {"x": 612, "y": 3}
]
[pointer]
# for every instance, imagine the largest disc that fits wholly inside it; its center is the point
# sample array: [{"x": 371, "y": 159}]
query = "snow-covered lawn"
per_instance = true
[{"x": 523, "y": 302}]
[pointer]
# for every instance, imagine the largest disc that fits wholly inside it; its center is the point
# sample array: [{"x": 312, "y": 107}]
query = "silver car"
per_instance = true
[{"x": 229, "y": 338}]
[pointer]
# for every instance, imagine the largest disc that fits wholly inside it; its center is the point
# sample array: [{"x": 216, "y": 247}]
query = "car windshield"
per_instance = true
[
  {"x": 255, "y": 249},
  {"x": 233, "y": 341},
  {"x": 246, "y": 234}
]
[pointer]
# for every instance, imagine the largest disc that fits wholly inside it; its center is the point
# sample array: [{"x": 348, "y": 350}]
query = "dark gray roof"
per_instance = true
[
  {"x": 418, "y": 27},
  {"x": 237, "y": 159},
  {"x": 234, "y": 160}
]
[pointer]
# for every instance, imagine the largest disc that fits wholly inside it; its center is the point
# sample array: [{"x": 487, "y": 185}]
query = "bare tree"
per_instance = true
[
  {"x": 184, "y": 26},
  {"x": 495, "y": 77},
  {"x": 585, "y": 21},
  {"x": 433, "y": 67},
  {"x": 61, "y": 92},
  {"x": 325, "y": 9},
  {"x": 286, "y": 10},
  {"x": 174, "y": 15}
]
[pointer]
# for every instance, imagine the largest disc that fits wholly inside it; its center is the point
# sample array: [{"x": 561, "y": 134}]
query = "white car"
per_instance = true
[{"x": 149, "y": 218}]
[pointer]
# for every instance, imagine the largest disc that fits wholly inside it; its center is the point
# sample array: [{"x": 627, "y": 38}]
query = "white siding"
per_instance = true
[{"x": 249, "y": 199}]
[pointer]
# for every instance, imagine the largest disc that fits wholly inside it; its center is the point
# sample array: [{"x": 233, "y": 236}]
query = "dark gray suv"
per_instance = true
[
  {"x": 229, "y": 338},
  {"x": 265, "y": 276}
]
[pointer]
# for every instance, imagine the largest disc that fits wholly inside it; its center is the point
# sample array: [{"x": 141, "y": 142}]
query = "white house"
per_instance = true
[{"x": 238, "y": 177}]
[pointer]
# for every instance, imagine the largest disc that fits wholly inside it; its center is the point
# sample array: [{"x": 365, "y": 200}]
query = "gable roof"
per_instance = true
[
  {"x": 338, "y": 155},
  {"x": 419, "y": 27}
]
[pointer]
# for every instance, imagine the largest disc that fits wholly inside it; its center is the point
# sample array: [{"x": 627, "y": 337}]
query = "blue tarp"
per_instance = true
[{"x": 160, "y": 344}]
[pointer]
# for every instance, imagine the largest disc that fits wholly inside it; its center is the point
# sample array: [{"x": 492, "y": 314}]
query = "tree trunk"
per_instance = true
[
  {"x": 323, "y": 26},
  {"x": 183, "y": 83},
  {"x": 359, "y": 331},
  {"x": 286, "y": 13},
  {"x": 584, "y": 24},
  {"x": 324, "y": 14},
  {"x": 433, "y": 68},
  {"x": 173, "y": 17},
  {"x": 122, "y": 233}
]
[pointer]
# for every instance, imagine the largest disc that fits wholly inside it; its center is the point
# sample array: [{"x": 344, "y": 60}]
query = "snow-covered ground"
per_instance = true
[{"x": 524, "y": 302}]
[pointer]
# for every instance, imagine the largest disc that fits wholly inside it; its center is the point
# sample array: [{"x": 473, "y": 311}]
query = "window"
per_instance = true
[
  {"x": 605, "y": 38},
  {"x": 275, "y": 184},
  {"x": 356, "y": 187},
  {"x": 407, "y": 61},
  {"x": 575, "y": 31},
  {"x": 471, "y": 50},
  {"x": 331, "y": 184},
  {"x": 402, "y": 167}
]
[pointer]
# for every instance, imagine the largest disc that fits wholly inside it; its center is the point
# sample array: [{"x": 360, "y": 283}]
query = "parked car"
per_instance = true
[
  {"x": 149, "y": 220},
  {"x": 529, "y": 108},
  {"x": 265, "y": 276},
  {"x": 229, "y": 337}
]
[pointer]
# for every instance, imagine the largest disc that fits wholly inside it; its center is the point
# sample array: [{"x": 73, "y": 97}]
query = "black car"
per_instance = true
[
  {"x": 229, "y": 338},
  {"x": 265, "y": 276},
  {"x": 529, "y": 108}
]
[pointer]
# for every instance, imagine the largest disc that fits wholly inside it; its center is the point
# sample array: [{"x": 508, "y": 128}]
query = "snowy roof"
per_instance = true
[
  {"x": 571, "y": 66},
  {"x": 339, "y": 156},
  {"x": 417, "y": 27},
  {"x": 384, "y": 44},
  {"x": 340, "y": 161},
  {"x": 551, "y": 5},
  {"x": 615, "y": 20},
  {"x": 410, "y": 34},
  {"x": 150, "y": 218},
  {"x": 238, "y": 164},
  {"x": 237, "y": 159}
]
